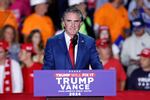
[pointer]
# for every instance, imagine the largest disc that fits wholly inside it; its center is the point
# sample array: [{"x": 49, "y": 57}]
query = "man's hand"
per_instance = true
[{"x": 134, "y": 62}]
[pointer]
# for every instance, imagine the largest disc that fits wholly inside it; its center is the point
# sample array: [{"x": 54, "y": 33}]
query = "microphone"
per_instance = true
[{"x": 74, "y": 40}]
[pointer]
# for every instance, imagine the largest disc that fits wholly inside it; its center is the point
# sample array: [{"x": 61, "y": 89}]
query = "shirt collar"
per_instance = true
[{"x": 67, "y": 37}]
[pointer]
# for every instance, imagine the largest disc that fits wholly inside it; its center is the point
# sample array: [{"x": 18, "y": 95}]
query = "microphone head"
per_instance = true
[{"x": 75, "y": 39}]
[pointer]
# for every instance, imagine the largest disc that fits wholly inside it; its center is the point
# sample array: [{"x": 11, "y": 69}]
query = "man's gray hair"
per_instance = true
[{"x": 73, "y": 9}]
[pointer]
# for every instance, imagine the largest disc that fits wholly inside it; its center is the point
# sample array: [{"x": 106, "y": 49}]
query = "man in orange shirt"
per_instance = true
[
  {"x": 38, "y": 20},
  {"x": 7, "y": 17},
  {"x": 113, "y": 15}
]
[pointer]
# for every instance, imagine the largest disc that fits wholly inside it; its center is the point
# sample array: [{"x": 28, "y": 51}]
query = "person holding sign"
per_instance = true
[{"x": 70, "y": 49}]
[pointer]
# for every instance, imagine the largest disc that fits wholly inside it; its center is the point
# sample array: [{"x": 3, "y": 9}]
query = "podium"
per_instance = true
[
  {"x": 75, "y": 98},
  {"x": 74, "y": 84}
]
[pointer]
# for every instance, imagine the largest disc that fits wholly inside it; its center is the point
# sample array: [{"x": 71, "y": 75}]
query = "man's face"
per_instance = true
[
  {"x": 72, "y": 23},
  {"x": 139, "y": 31},
  {"x": 145, "y": 62},
  {"x": 119, "y": 2},
  {"x": 139, "y": 3},
  {"x": 42, "y": 8}
]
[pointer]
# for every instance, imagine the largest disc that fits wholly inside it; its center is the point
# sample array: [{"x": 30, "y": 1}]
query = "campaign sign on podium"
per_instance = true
[{"x": 75, "y": 83}]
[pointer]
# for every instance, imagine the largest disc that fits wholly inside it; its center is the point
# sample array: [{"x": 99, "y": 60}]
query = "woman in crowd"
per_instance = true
[
  {"x": 36, "y": 39},
  {"x": 25, "y": 56},
  {"x": 10, "y": 72},
  {"x": 110, "y": 63},
  {"x": 10, "y": 35},
  {"x": 104, "y": 33}
]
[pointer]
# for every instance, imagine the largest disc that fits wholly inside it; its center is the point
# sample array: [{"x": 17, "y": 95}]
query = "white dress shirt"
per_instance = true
[
  {"x": 16, "y": 74},
  {"x": 67, "y": 38}
]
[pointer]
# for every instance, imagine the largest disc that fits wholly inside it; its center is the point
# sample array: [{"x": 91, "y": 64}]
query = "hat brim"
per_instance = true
[{"x": 143, "y": 55}]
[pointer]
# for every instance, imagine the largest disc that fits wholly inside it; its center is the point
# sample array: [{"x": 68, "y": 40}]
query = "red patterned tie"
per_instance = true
[{"x": 71, "y": 53}]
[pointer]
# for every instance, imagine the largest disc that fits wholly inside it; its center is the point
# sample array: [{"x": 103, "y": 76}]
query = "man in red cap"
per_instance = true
[
  {"x": 25, "y": 56},
  {"x": 10, "y": 72},
  {"x": 133, "y": 45},
  {"x": 109, "y": 62},
  {"x": 140, "y": 78}
]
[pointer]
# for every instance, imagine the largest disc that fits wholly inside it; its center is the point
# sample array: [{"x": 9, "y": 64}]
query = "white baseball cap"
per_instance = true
[
  {"x": 74, "y": 2},
  {"x": 138, "y": 24},
  {"x": 36, "y": 2}
]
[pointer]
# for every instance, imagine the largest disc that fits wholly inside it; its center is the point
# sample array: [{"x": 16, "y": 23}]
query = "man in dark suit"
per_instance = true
[{"x": 70, "y": 49}]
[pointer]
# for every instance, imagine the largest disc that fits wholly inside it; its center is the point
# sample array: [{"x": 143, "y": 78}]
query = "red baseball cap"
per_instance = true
[
  {"x": 102, "y": 43},
  {"x": 4, "y": 44},
  {"x": 27, "y": 46},
  {"x": 103, "y": 28},
  {"x": 145, "y": 53}
]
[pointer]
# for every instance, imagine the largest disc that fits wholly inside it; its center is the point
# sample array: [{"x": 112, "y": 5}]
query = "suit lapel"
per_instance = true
[
  {"x": 81, "y": 51},
  {"x": 62, "y": 43},
  {"x": 63, "y": 48}
]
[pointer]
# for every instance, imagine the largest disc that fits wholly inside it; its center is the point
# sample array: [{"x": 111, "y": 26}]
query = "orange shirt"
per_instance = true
[
  {"x": 116, "y": 19},
  {"x": 7, "y": 17},
  {"x": 43, "y": 23}
]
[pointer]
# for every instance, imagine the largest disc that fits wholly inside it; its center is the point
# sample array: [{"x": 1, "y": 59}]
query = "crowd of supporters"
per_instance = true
[{"x": 121, "y": 29}]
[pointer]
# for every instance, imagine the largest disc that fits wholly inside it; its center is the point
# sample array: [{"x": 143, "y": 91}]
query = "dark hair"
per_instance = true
[
  {"x": 29, "y": 38},
  {"x": 73, "y": 9},
  {"x": 15, "y": 39},
  {"x": 111, "y": 1},
  {"x": 32, "y": 9}
]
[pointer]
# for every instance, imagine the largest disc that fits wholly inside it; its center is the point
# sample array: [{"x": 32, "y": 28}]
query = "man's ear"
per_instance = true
[
  {"x": 63, "y": 24},
  {"x": 62, "y": 21}
]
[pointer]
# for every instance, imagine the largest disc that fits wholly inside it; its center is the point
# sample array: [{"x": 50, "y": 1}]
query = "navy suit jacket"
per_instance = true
[{"x": 57, "y": 55}]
